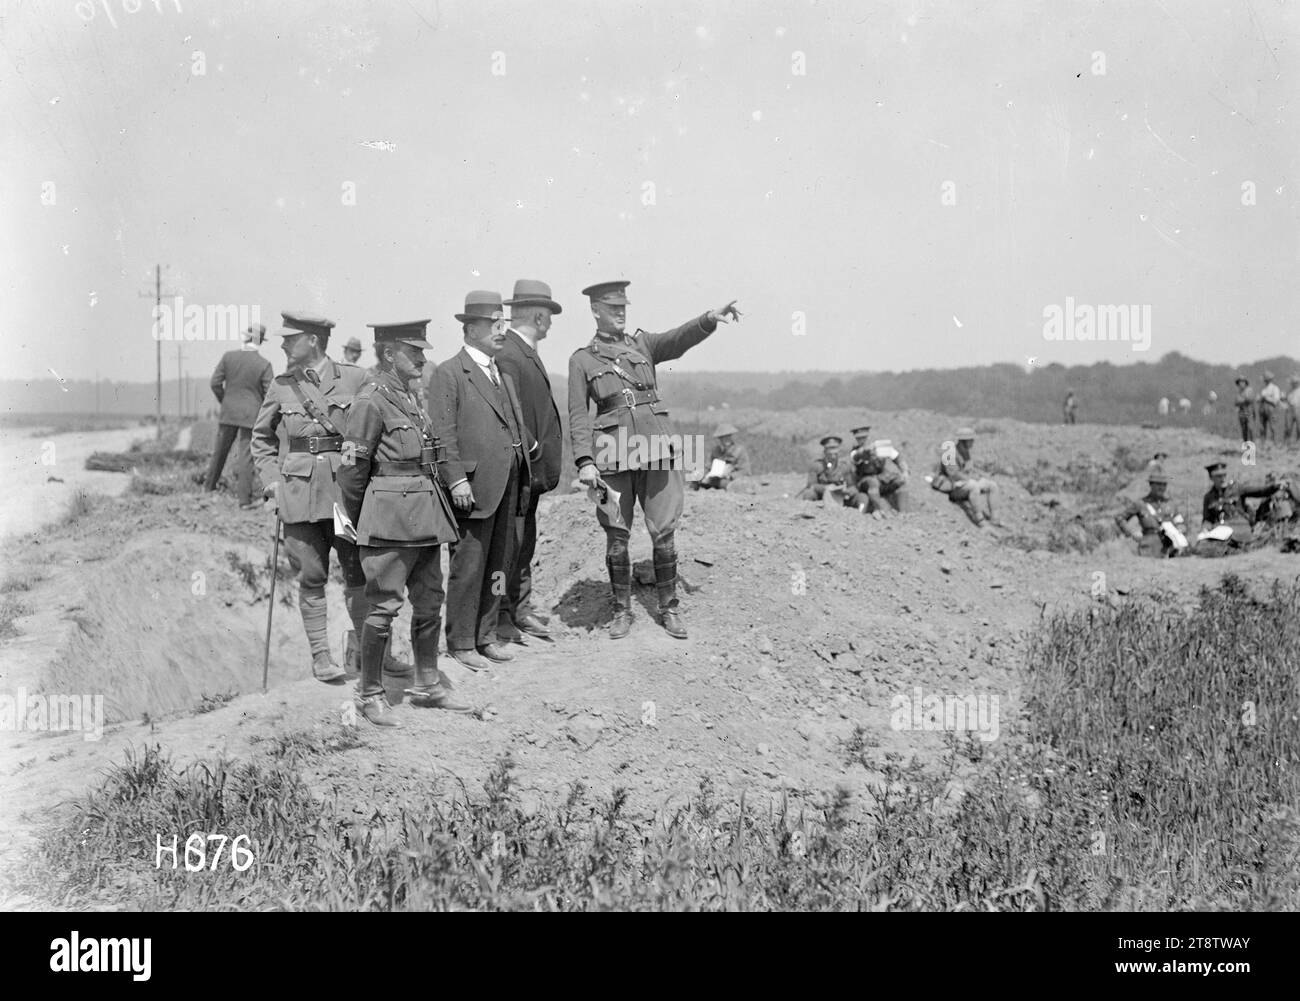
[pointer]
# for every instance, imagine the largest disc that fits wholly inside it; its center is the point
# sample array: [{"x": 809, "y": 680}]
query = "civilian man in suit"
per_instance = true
[
  {"x": 531, "y": 309},
  {"x": 479, "y": 423},
  {"x": 239, "y": 383}
]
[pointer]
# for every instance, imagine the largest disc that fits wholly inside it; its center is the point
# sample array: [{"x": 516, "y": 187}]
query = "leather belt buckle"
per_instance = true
[{"x": 630, "y": 397}]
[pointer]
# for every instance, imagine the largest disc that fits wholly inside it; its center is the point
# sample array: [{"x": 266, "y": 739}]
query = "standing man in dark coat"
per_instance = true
[
  {"x": 391, "y": 493},
  {"x": 616, "y": 374},
  {"x": 531, "y": 309},
  {"x": 480, "y": 426},
  {"x": 239, "y": 383}
]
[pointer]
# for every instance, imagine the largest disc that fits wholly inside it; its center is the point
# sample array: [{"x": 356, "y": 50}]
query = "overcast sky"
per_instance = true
[{"x": 487, "y": 141}]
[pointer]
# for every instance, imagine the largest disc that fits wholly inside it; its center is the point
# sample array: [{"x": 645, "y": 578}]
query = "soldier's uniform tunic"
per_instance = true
[
  {"x": 1150, "y": 512},
  {"x": 306, "y": 473},
  {"x": 402, "y": 515},
  {"x": 1226, "y": 506},
  {"x": 616, "y": 376},
  {"x": 878, "y": 476},
  {"x": 823, "y": 473}
]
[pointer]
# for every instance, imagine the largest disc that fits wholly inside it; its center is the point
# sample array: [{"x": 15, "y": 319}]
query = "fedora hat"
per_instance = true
[
  {"x": 529, "y": 292},
  {"x": 482, "y": 305}
]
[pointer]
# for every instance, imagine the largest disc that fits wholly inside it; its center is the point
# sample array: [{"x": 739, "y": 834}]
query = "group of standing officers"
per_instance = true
[{"x": 387, "y": 465}]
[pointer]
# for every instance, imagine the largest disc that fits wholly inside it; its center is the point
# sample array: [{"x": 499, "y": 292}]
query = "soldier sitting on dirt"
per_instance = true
[
  {"x": 1159, "y": 522},
  {"x": 827, "y": 475},
  {"x": 729, "y": 458},
  {"x": 956, "y": 476},
  {"x": 1280, "y": 506},
  {"x": 1226, "y": 526},
  {"x": 880, "y": 475}
]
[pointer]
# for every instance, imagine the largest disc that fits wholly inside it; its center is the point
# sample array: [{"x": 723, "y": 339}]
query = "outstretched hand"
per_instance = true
[{"x": 725, "y": 314}]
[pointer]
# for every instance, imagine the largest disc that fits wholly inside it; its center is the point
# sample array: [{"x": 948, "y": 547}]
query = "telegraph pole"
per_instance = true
[{"x": 157, "y": 313}]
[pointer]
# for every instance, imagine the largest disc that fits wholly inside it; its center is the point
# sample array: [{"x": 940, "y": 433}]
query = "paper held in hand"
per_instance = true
[
  {"x": 721, "y": 468},
  {"x": 343, "y": 526}
]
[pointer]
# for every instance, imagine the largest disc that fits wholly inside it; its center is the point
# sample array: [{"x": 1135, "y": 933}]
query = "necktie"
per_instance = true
[{"x": 492, "y": 374}]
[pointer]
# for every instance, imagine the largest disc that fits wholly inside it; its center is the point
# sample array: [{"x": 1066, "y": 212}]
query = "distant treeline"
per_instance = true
[{"x": 1105, "y": 393}]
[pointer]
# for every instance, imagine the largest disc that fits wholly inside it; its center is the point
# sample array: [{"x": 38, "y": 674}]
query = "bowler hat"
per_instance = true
[
  {"x": 481, "y": 305},
  {"x": 610, "y": 293},
  {"x": 533, "y": 293},
  {"x": 408, "y": 332}
]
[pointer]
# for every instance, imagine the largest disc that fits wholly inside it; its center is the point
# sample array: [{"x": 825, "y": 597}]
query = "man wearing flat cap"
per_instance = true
[
  {"x": 297, "y": 442},
  {"x": 392, "y": 494},
  {"x": 826, "y": 474},
  {"x": 531, "y": 310},
  {"x": 732, "y": 456},
  {"x": 1159, "y": 531},
  {"x": 239, "y": 383},
  {"x": 957, "y": 477},
  {"x": 629, "y": 443},
  {"x": 489, "y": 453}
]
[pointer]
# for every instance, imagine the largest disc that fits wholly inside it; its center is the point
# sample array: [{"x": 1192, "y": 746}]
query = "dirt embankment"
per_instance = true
[{"x": 806, "y": 623}]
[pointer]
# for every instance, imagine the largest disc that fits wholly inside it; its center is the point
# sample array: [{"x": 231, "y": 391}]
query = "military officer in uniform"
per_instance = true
[
  {"x": 629, "y": 442},
  {"x": 1224, "y": 504},
  {"x": 392, "y": 494},
  {"x": 826, "y": 473},
  {"x": 308, "y": 407},
  {"x": 1153, "y": 512}
]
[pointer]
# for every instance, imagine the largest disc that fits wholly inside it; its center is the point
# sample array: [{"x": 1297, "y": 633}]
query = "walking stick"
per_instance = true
[{"x": 270, "y": 608}]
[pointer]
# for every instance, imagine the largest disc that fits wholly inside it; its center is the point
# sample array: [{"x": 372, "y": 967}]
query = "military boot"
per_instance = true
[
  {"x": 619, "y": 564},
  {"x": 371, "y": 698},
  {"x": 312, "y": 605},
  {"x": 666, "y": 588},
  {"x": 354, "y": 599},
  {"x": 431, "y": 688}
]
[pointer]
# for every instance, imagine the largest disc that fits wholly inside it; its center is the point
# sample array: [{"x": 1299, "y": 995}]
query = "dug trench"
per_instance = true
[{"x": 806, "y": 623}]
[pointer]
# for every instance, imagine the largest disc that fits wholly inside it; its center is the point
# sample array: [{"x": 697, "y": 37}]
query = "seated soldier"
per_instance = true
[
  {"x": 956, "y": 476},
  {"x": 1159, "y": 531},
  {"x": 881, "y": 475},
  {"x": 1280, "y": 505},
  {"x": 728, "y": 461},
  {"x": 1225, "y": 526},
  {"x": 826, "y": 476}
]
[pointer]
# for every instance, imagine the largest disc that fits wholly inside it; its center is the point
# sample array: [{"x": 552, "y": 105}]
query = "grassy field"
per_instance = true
[{"x": 1154, "y": 768}]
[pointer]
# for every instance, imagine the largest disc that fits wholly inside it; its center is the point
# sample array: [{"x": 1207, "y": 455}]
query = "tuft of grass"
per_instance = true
[
  {"x": 82, "y": 503},
  {"x": 23, "y": 580},
  {"x": 11, "y": 610},
  {"x": 207, "y": 703}
]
